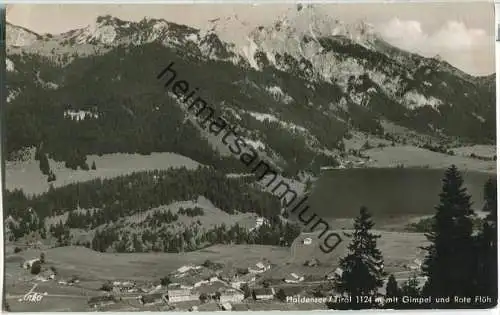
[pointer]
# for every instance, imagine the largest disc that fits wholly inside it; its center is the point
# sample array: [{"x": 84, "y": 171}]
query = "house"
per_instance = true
[
  {"x": 211, "y": 290},
  {"x": 28, "y": 263},
  {"x": 307, "y": 241},
  {"x": 260, "y": 268},
  {"x": 226, "y": 306},
  {"x": 260, "y": 265},
  {"x": 101, "y": 300},
  {"x": 248, "y": 278},
  {"x": 332, "y": 275},
  {"x": 152, "y": 299},
  {"x": 200, "y": 283},
  {"x": 185, "y": 269},
  {"x": 312, "y": 262},
  {"x": 46, "y": 275},
  {"x": 258, "y": 223},
  {"x": 126, "y": 286},
  {"x": 294, "y": 278},
  {"x": 231, "y": 295},
  {"x": 263, "y": 294},
  {"x": 213, "y": 279},
  {"x": 175, "y": 295},
  {"x": 237, "y": 284}
]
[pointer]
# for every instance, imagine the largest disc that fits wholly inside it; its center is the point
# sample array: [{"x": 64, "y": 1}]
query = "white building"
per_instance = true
[
  {"x": 28, "y": 263},
  {"x": 307, "y": 241},
  {"x": 263, "y": 294},
  {"x": 180, "y": 295},
  {"x": 294, "y": 278},
  {"x": 232, "y": 296}
]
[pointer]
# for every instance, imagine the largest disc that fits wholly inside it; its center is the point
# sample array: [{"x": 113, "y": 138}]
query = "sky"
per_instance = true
[{"x": 461, "y": 33}]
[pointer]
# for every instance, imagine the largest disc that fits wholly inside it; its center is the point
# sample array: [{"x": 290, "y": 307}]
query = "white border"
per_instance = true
[{"x": 497, "y": 61}]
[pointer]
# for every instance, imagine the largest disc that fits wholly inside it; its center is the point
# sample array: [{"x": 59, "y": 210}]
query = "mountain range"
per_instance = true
[{"x": 301, "y": 89}]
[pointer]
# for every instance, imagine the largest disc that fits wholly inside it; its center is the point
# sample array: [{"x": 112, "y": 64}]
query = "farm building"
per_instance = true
[
  {"x": 259, "y": 268},
  {"x": 101, "y": 300},
  {"x": 226, "y": 306},
  {"x": 153, "y": 299},
  {"x": 307, "y": 241},
  {"x": 263, "y": 294},
  {"x": 312, "y": 262},
  {"x": 125, "y": 286},
  {"x": 211, "y": 290},
  {"x": 28, "y": 263},
  {"x": 231, "y": 295},
  {"x": 332, "y": 275},
  {"x": 185, "y": 269},
  {"x": 237, "y": 284},
  {"x": 175, "y": 295},
  {"x": 294, "y": 278}
]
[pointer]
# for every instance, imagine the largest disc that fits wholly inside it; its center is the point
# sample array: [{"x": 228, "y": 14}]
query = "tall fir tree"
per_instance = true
[
  {"x": 363, "y": 267},
  {"x": 44, "y": 164},
  {"x": 392, "y": 289},
  {"x": 393, "y": 293},
  {"x": 411, "y": 287},
  {"x": 487, "y": 246},
  {"x": 449, "y": 263}
]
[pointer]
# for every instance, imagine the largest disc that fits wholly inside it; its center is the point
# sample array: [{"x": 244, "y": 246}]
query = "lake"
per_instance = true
[{"x": 387, "y": 192}]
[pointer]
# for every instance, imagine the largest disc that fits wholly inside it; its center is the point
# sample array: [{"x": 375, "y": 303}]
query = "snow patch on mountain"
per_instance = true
[
  {"x": 389, "y": 84},
  {"x": 271, "y": 118},
  {"x": 104, "y": 34},
  {"x": 263, "y": 117},
  {"x": 9, "y": 65},
  {"x": 278, "y": 94},
  {"x": 249, "y": 53},
  {"x": 17, "y": 36},
  {"x": 12, "y": 94},
  {"x": 78, "y": 115}
]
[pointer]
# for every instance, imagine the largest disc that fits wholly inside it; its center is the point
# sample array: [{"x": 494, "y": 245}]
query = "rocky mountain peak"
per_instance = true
[{"x": 17, "y": 36}]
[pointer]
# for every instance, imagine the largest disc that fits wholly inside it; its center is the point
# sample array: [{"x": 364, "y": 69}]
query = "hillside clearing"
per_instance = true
[
  {"x": 410, "y": 156},
  {"x": 27, "y": 176}
]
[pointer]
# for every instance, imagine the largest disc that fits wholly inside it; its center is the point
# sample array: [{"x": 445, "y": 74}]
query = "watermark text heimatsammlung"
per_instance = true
[{"x": 206, "y": 118}]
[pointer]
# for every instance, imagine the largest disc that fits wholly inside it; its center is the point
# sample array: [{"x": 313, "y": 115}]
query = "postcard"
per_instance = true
[{"x": 249, "y": 157}]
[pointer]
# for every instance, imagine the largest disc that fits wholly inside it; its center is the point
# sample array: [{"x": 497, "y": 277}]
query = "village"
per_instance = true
[
  {"x": 206, "y": 285},
  {"x": 210, "y": 286}
]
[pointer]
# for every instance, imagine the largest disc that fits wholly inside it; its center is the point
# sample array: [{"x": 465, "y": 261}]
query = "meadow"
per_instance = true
[{"x": 26, "y": 175}]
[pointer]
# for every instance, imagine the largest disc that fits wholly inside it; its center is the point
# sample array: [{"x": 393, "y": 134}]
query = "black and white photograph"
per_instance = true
[{"x": 249, "y": 157}]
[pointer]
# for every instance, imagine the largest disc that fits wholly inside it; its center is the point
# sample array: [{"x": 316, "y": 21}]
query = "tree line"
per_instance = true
[
  {"x": 135, "y": 193},
  {"x": 190, "y": 238}
]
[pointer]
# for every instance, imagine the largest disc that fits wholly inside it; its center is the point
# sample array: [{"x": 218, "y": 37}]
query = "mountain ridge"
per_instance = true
[{"x": 328, "y": 82}]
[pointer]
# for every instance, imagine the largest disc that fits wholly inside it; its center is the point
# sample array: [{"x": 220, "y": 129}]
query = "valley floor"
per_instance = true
[{"x": 92, "y": 269}]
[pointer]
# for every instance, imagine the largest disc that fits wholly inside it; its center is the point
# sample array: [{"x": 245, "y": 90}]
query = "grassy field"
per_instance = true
[
  {"x": 399, "y": 249},
  {"x": 410, "y": 156},
  {"x": 387, "y": 192},
  {"x": 212, "y": 215},
  {"x": 27, "y": 176},
  {"x": 90, "y": 265},
  {"x": 480, "y": 150}
]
